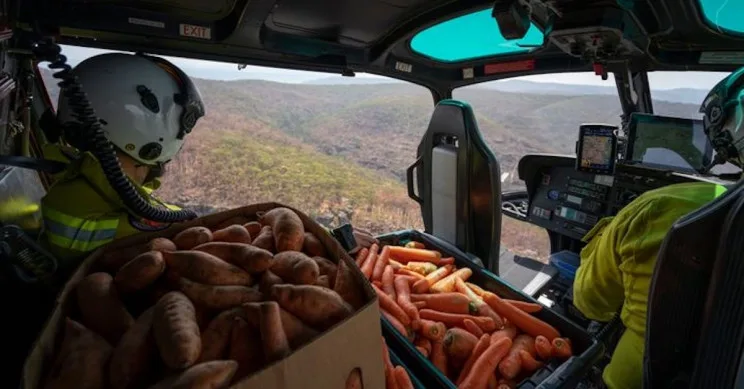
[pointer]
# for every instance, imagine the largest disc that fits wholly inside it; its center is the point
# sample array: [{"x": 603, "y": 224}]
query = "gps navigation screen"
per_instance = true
[
  {"x": 597, "y": 149},
  {"x": 671, "y": 143}
]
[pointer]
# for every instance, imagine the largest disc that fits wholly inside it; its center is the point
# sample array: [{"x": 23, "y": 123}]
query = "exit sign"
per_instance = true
[{"x": 193, "y": 31}]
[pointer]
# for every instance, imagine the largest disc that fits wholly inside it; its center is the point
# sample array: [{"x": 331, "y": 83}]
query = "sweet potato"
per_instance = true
[
  {"x": 273, "y": 338},
  {"x": 81, "y": 361},
  {"x": 247, "y": 257},
  {"x": 265, "y": 239},
  {"x": 113, "y": 260},
  {"x": 140, "y": 272},
  {"x": 192, "y": 237},
  {"x": 323, "y": 281},
  {"x": 218, "y": 297},
  {"x": 319, "y": 307},
  {"x": 327, "y": 268},
  {"x": 295, "y": 267},
  {"x": 268, "y": 279},
  {"x": 245, "y": 348},
  {"x": 313, "y": 247},
  {"x": 132, "y": 358},
  {"x": 205, "y": 268},
  {"x": 102, "y": 310},
  {"x": 214, "y": 338},
  {"x": 346, "y": 286},
  {"x": 235, "y": 233},
  {"x": 254, "y": 228},
  {"x": 298, "y": 333},
  {"x": 289, "y": 233},
  {"x": 239, "y": 219},
  {"x": 176, "y": 330},
  {"x": 207, "y": 375}
]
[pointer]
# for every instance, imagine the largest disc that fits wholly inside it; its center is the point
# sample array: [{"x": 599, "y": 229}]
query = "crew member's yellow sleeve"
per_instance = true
[{"x": 598, "y": 286}]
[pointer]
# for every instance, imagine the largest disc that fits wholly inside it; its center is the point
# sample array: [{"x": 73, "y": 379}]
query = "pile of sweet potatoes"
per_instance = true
[
  {"x": 474, "y": 337},
  {"x": 204, "y": 309}
]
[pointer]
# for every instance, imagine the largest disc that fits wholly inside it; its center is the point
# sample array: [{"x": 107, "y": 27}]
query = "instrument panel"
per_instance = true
[{"x": 570, "y": 202}]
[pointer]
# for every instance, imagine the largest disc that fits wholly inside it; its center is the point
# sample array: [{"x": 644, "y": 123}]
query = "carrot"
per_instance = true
[
  {"x": 493, "y": 382},
  {"x": 382, "y": 261},
  {"x": 562, "y": 348},
  {"x": 410, "y": 273},
  {"x": 525, "y": 306},
  {"x": 407, "y": 254},
  {"x": 543, "y": 347},
  {"x": 396, "y": 323},
  {"x": 511, "y": 365},
  {"x": 377, "y": 284},
  {"x": 419, "y": 305},
  {"x": 361, "y": 256},
  {"x": 447, "y": 284},
  {"x": 425, "y": 283},
  {"x": 458, "y": 343},
  {"x": 415, "y": 245},
  {"x": 403, "y": 296},
  {"x": 387, "y": 282},
  {"x": 395, "y": 264},
  {"x": 273, "y": 337},
  {"x": 388, "y": 304},
  {"x": 389, "y": 378},
  {"x": 472, "y": 328},
  {"x": 402, "y": 378},
  {"x": 438, "y": 357},
  {"x": 484, "y": 366},
  {"x": 529, "y": 363},
  {"x": 423, "y": 351},
  {"x": 424, "y": 345},
  {"x": 447, "y": 261},
  {"x": 475, "y": 288},
  {"x": 423, "y": 268},
  {"x": 483, "y": 342},
  {"x": 446, "y": 302},
  {"x": 432, "y": 330},
  {"x": 455, "y": 320},
  {"x": 523, "y": 320},
  {"x": 369, "y": 264},
  {"x": 509, "y": 331},
  {"x": 481, "y": 308},
  {"x": 506, "y": 384},
  {"x": 410, "y": 280}
]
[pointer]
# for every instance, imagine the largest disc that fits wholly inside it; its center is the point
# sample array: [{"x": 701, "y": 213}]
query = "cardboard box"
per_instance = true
[{"x": 324, "y": 363}]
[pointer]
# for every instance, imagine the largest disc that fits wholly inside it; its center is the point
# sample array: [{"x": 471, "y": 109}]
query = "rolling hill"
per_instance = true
[{"x": 339, "y": 152}]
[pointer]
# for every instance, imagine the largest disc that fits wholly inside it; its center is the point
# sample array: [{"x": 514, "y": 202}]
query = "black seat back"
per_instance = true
[
  {"x": 458, "y": 182},
  {"x": 695, "y": 307}
]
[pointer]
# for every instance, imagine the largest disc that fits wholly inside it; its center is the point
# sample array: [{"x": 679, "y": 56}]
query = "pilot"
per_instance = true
[
  {"x": 620, "y": 255},
  {"x": 136, "y": 99}
]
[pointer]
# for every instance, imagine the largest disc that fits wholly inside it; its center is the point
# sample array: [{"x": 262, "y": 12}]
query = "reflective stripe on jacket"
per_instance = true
[
  {"x": 617, "y": 265},
  {"x": 82, "y": 212}
]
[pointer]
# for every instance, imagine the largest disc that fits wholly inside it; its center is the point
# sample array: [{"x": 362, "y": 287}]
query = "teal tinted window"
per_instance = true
[
  {"x": 725, "y": 15},
  {"x": 471, "y": 36}
]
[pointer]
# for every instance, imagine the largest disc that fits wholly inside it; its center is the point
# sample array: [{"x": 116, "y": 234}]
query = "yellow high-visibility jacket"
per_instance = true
[
  {"x": 617, "y": 264},
  {"x": 82, "y": 212}
]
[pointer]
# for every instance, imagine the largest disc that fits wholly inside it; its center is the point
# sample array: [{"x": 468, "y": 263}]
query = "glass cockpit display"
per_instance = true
[
  {"x": 596, "y": 150},
  {"x": 662, "y": 142}
]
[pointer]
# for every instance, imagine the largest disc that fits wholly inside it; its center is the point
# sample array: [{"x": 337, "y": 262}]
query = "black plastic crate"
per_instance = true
[
  {"x": 398, "y": 362},
  {"x": 554, "y": 375}
]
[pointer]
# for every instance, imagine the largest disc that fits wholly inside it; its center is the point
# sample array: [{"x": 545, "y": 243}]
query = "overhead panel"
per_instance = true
[{"x": 205, "y": 9}]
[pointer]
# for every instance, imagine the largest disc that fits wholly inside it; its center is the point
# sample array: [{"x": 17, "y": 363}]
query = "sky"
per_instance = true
[{"x": 229, "y": 71}]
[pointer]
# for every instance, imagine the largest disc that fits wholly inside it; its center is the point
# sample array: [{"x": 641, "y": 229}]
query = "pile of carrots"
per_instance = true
[{"x": 474, "y": 337}]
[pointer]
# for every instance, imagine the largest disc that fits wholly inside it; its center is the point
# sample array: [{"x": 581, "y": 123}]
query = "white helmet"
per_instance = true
[{"x": 146, "y": 105}]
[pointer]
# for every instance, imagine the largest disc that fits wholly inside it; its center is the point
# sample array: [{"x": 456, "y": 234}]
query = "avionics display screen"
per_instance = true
[
  {"x": 596, "y": 149},
  {"x": 668, "y": 143}
]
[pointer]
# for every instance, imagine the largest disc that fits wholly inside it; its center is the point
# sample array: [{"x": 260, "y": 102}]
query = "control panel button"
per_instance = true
[
  {"x": 546, "y": 179},
  {"x": 554, "y": 194}
]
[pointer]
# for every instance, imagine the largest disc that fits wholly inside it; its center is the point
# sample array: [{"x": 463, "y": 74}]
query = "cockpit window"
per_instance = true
[
  {"x": 724, "y": 15},
  {"x": 471, "y": 36}
]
